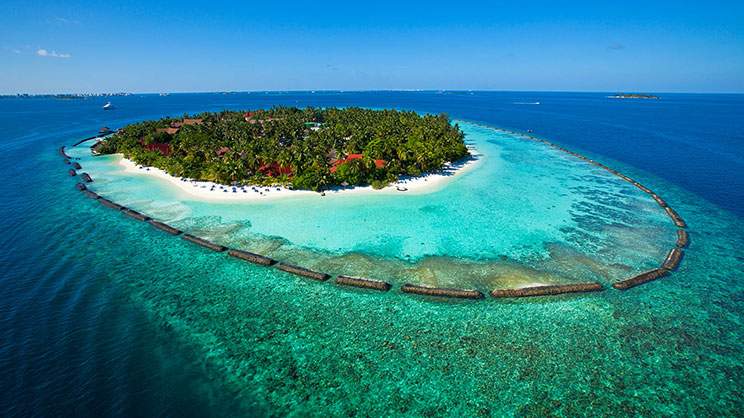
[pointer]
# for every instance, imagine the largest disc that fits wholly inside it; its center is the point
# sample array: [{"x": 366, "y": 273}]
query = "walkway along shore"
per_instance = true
[
  {"x": 675, "y": 254},
  {"x": 670, "y": 263}
]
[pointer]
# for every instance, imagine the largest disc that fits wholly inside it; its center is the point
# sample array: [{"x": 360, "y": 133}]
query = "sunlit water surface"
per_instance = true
[
  {"x": 100, "y": 314},
  {"x": 525, "y": 213}
]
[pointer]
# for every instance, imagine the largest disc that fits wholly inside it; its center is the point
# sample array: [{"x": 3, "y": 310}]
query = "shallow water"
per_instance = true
[
  {"x": 103, "y": 314},
  {"x": 526, "y": 213}
]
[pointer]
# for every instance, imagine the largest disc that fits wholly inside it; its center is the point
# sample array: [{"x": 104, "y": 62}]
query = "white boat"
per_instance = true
[{"x": 108, "y": 106}]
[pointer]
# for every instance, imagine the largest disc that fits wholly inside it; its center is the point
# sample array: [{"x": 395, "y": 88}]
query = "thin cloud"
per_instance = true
[
  {"x": 615, "y": 47},
  {"x": 66, "y": 20},
  {"x": 13, "y": 50},
  {"x": 53, "y": 54}
]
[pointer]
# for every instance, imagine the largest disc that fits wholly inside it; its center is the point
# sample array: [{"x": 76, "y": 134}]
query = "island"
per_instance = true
[
  {"x": 633, "y": 96},
  {"x": 62, "y": 96},
  {"x": 307, "y": 149}
]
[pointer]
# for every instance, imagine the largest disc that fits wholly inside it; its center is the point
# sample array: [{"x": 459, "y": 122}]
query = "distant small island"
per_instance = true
[
  {"x": 63, "y": 96},
  {"x": 308, "y": 149},
  {"x": 633, "y": 96}
]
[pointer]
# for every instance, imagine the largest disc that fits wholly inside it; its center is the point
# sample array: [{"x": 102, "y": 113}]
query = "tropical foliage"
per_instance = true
[{"x": 306, "y": 148}]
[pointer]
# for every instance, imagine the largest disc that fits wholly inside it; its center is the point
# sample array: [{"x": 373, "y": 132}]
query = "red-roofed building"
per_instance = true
[
  {"x": 164, "y": 149},
  {"x": 378, "y": 163},
  {"x": 222, "y": 151},
  {"x": 275, "y": 170},
  {"x": 250, "y": 117}
]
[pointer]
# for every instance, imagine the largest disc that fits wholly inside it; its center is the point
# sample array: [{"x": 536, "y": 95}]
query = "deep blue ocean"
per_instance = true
[{"x": 100, "y": 317}]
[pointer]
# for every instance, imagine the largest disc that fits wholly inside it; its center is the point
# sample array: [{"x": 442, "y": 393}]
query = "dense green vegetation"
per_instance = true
[{"x": 305, "y": 148}]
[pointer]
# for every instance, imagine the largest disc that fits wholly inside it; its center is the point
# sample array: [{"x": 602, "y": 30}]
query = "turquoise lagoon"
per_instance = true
[
  {"x": 524, "y": 214},
  {"x": 103, "y": 315}
]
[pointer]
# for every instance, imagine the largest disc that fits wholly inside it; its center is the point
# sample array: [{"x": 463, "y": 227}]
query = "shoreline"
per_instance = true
[{"x": 210, "y": 191}]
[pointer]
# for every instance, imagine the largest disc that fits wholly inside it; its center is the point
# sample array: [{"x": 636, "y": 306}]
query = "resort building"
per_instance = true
[
  {"x": 164, "y": 149},
  {"x": 337, "y": 163},
  {"x": 195, "y": 121},
  {"x": 169, "y": 130}
]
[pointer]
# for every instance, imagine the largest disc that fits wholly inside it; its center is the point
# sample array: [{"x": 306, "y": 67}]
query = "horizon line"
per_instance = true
[{"x": 120, "y": 92}]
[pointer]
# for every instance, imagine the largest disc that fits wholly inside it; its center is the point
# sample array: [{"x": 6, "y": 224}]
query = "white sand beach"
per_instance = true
[{"x": 205, "y": 190}]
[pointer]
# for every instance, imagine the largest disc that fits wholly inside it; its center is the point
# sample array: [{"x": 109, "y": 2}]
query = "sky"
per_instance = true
[{"x": 188, "y": 46}]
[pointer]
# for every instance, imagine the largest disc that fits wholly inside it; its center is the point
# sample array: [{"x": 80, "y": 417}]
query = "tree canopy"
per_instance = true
[{"x": 304, "y": 148}]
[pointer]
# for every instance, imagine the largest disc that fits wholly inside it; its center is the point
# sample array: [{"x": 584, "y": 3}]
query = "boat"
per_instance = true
[{"x": 108, "y": 106}]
